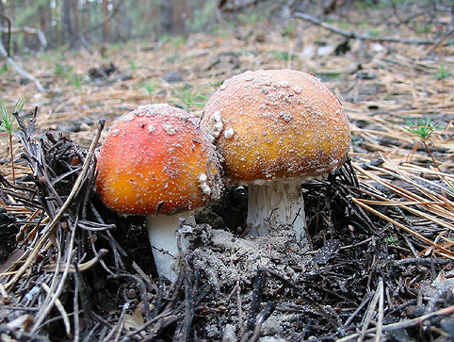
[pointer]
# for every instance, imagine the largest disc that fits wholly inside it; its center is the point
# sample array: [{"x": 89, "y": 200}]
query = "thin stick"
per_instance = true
[
  {"x": 403, "y": 325},
  {"x": 19, "y": 70},
  {"x": 381, "y": 304},
  {"x": 12, "y": 158},
  {"x": 369, "y": 313},
  {"x": 351, "y": 34},
  {"x": 60, "y": 308},
  {"x": 49, "y": 303}
]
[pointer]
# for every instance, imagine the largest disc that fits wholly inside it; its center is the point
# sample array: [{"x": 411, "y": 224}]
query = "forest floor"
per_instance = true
[{"x": 381, "y": 227}]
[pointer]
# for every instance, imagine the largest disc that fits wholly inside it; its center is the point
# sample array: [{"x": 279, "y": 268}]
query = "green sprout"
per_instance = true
[
  {"x": 443, "y": 73},
  {"x": 375, "y": 32},
  {"x": 9, "y": 124},
  {"x": 423, "y": 129},
  {"x": 392, "y": 239},
  {"x": 62, "y": 70},
  {"x": 75, "y": 79},
  {"x": 214, "y": 86},
  {"x": 188, "y": 97},
  {"x": 282, "y": 55},
  {"x": 289, "y": 29},
  {"x": 150, "y": 88},
  {"x": 133, "y": 66},
  {"x": 211, "y": 88}
]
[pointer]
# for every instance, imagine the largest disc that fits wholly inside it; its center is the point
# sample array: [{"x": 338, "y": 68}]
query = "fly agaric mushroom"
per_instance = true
[
  {"x": 157, "y": 161},
  {"x": 275, "y": 129}
]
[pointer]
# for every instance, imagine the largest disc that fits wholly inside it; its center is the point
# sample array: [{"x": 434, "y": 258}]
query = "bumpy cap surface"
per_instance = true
[
  {"x": 157, "y": 159},
  {"x": 277, "y": 124}
]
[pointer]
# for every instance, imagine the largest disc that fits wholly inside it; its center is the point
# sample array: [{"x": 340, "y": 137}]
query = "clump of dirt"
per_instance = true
[{"x": 226, "y": 259}]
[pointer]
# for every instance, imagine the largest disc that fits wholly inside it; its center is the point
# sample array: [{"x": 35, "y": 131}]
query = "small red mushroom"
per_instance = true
[
  {"x": 157, "y": 161},
  {"x": 276, "y": 129}
]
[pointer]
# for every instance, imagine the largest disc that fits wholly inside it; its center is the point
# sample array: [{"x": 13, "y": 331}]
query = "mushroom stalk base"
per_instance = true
[
  {"x": 275, "y": 203},
  {"x": 162, "y": 232}
]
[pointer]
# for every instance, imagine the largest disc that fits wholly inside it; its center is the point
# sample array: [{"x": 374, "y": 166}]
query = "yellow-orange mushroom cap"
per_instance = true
[
  {"x": 277, "y": 124},
  {"x": 156, "y": 159},
  {"x": 275, "y": 129}
]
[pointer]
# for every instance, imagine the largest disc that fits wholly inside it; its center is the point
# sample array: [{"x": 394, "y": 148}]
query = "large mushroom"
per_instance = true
[
  {"x": 276, "y": 129},
  {"x": 157, "y": 161}
]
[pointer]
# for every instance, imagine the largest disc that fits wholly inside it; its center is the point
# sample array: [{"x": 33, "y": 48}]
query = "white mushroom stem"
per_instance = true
[
  {"x": 273, "y": 203},
  {"x": 162, "y": 232}
]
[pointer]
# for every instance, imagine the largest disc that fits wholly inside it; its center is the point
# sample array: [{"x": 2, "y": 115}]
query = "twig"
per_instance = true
[
  {"x": 57, "y": 282},
  {"x": 357, "y": 310},
  {"x": 40, "y": 34},
  {"x": 403, "y": 325},
  {"x": 80, "y": 267},
  {"x": 21, "y": 72},
  {"x": 184, "y": 325},
  {"x": 115, "y": 332},
  {"x": 76, "y": 309},
  {"x": 370, "y": 311},
  {"x": 381, "y": 304},
  {"x": 256, "y": 299},
  {"x": 80, "y": 35},
  {"x": 440, "y": 41},
  {"x": 239, "y": 305},
  {"x": 236, "y": 6},
  {"x": 354, "y": 35},
  {"x": 269, "y": 308},
  {"x": 8, "y": 31},
  {"x": 60, "y": 308}
]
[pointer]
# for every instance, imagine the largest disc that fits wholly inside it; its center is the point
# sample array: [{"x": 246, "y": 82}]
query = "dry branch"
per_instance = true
[
  {"x": 230, "y": 7},
  {"x": 81, "y": 35},
  {"x": 354, "y": 35},
  {"x": 39, "y": 33},
  {"x": 19, "y": 70},
  {"x": 402, "y": 325}
]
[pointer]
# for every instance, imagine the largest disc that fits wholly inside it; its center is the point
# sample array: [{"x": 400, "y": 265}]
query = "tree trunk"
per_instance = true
[
  {"x": 67, "y": 21},
  {"x": 166, "y": 16},
  {"x": 106, "y": 27},
  {"x": 45, "y": 21},
  {"x": 174, "y": 14},
  {"x": 3, "y": 35},
  {"x": 123, "y": 24}
]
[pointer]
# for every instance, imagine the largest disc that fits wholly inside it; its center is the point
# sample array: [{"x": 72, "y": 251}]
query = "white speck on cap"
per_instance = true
[
  {"x": 170, "y": 130},
  {"x": 218, "y": 125},
  {"x": 229, "y": 132},
  {"x": 204, "y": 185},
  {"x": 284, "y": 84}
]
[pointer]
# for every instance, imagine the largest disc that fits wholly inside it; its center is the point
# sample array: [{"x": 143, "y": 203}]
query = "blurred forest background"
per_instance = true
[
  {"x": 41, "y": 24},
  {"x": 75, "y": 22}
]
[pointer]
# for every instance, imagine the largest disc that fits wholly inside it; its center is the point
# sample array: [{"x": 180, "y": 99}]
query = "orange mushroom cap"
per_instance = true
[
  {"x": 156, "y": 159},
  {"x": 277, "y": 124}
]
